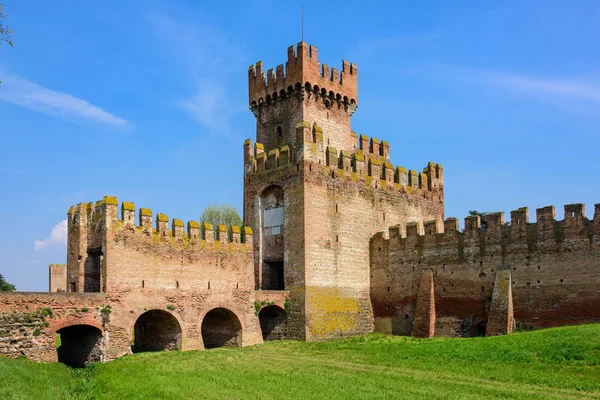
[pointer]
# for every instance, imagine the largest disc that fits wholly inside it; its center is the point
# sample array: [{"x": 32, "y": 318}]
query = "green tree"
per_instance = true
[
  {"x": 5, "y": 31},
  {"x": 221, "y": 214},
  {"x": 482, "y": 217},
  {"x": 5, "y": 286}
]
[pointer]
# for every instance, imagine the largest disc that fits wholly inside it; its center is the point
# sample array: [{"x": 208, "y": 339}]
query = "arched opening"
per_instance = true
[
  {"x": 273, "y": 323},
  {"x": 156, "y": 330},
  {"x": 221, "y": 328},
  {"x": 80, "y": 345},
  {"x": 272, "y": 217}
]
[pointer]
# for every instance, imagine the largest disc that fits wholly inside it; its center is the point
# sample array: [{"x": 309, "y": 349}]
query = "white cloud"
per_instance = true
[
  {"x": 58, "y": 236},
  {"x": 580, "y": 90},
  {"x": 22, "y": 92}
]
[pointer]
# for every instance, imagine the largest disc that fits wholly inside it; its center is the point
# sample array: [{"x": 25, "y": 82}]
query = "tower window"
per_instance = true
[{"x": 278, "y": 131}]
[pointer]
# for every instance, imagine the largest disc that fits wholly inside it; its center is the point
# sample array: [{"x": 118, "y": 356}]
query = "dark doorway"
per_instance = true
[
  {"x": 221, "y": 328},
  {"x": 79, "y": 345},
  {"x": 274, "y": 271},
  {"x": 156, "y": 330},
  {"x": 273, "y": 323},
  {"x": 91, "y": 268}
]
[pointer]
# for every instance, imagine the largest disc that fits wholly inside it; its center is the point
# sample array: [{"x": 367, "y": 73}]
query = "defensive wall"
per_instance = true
[
  {"x": 309, "y": 263},
  {"x": 333, "y": 202},
  {"x": 143, "y": 288},
  {"x": 455, "y": 282}
]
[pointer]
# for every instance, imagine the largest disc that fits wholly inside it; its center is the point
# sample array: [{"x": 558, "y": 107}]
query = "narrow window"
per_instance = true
[
  {"x": 143, "y": 284},
  {"x": 278, "y": 131},
  {"x": 177, "y": 284},
  {"x": 336, "y": 208}
]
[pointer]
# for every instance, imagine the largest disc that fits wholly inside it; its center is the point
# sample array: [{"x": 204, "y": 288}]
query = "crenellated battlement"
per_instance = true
[
  {"x": 258, "y": 161},
  {"x": 159, "y": 229},
  {"x": 369, "y": 161},
  {"x": 303, "y": 74},
  {"x": 575, "y": 231}
]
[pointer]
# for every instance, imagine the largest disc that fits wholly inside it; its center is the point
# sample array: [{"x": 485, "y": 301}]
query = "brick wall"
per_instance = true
[{"x": 555, "y": 279}]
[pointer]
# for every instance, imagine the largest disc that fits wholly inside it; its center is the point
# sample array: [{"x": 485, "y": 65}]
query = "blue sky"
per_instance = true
[{"x": 147, "y": 101}]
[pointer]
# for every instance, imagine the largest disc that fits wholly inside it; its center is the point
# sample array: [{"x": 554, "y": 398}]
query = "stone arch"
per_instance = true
[
  {"x": 273, "y": 323},
  {"x": 272, "y": 238},
  {"x": 156, "y": 330},
  {"x": 221, "y": 327},
  {"x": 80, "y": 345}
]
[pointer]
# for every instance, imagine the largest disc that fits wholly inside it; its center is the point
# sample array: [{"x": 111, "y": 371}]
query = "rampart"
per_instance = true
[
  {"x": 141, "y": 287},
  {"x": 552, "y": 267},
  {"x": 162, "y": 256}
]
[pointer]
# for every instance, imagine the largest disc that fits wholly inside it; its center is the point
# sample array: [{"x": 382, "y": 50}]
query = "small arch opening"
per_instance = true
[
  {"x": 273, "y": 323},
  {"x": 156, "y": 330},
  {"x": 80, "y": 345},
  {"x": 221, "y": 328}
]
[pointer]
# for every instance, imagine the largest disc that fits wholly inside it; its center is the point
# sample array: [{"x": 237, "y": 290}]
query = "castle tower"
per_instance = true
[{"x": 315, "y": 193}]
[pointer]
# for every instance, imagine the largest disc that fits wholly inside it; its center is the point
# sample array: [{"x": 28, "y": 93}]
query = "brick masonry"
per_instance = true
[{"x": 337, "y": 242}]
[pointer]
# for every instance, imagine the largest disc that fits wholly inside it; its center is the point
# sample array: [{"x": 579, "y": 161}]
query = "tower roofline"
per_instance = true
[{"x": 303, "y": 70}]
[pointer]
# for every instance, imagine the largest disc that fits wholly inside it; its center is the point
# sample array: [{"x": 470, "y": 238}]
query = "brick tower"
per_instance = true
[{"x": 315, "y": 193}]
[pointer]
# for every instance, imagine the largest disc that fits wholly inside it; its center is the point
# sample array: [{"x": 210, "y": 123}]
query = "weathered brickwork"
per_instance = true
[
  {"x": 337, "y": 188},
  {"x": 554, "y": 274},
  {"x": 57, "y": 278},
  {"x": 311, "y": 262},
  {"x": 29, "y": 322}
]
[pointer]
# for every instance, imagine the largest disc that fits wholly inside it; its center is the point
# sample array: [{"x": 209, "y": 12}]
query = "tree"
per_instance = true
[
  {"x": 221, "y": 214},
  {"x": 5, "y": 286},
  {"x": 5, "y": 31},
  {"x": 482, "y": 217}
]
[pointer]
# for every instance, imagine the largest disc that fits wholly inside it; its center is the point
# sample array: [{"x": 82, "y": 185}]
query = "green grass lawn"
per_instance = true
[{"x": 544, "y": 364}]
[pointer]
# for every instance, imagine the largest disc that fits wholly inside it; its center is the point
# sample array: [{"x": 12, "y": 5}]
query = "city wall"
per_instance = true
[{"x": 553, "y": 268}]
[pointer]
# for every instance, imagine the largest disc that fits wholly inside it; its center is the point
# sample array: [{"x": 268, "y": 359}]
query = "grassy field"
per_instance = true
[{"x": 546, "y": 364}]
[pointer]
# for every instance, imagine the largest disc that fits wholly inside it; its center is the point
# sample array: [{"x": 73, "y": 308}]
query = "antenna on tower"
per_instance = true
[{"x": 303, "y": 22}]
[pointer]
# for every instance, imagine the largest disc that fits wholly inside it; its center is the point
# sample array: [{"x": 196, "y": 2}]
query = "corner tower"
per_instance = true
[{"x": 315, "y": 193}]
